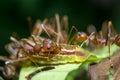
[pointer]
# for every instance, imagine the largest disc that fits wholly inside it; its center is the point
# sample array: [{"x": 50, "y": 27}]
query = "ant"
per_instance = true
[
  {"x": 106, "y": 37},
  {"x": 100, "y": 38},
  {"x": 36, "y": 47},
  {"x": 56, "y": 30},
  {"x": 23, "y": 50}
]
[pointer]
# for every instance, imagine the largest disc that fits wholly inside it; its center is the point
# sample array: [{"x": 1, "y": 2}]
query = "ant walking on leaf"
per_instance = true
[
  {"x": 54, "y": 48},
  {"x": 43, "y": 50},
  {"x": 106, "y": 37}
]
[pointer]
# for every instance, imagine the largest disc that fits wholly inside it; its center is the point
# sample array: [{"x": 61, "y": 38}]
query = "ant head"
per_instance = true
[
  {"x": 80, "y": 37},
  {"x": 48, "y": 46}
]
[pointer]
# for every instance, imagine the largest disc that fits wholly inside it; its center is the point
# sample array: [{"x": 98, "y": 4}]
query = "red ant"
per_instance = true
[
  {"x": 106, "y": 37},
  {"x": 36, "y": 47},
  {"x": 99, "y": 39}
]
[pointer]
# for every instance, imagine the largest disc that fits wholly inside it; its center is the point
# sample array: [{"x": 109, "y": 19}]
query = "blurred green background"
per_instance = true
[{"x": 14, "y": 14}]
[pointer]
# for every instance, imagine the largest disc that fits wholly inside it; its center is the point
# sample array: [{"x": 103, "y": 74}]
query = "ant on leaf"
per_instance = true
[
  {"x": 105, "y": 37},
  {"x": 43, "y": 50}
]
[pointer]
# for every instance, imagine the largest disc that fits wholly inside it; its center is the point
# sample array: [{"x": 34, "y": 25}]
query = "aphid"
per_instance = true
[{"x": 42, "y": 50}]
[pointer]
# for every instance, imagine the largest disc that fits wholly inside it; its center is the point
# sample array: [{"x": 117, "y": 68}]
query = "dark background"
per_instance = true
[{"x": 14, "y": 13}]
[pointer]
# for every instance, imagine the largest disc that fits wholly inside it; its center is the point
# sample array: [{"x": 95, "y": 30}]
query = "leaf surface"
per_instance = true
[{"x": 59, "y": 73}]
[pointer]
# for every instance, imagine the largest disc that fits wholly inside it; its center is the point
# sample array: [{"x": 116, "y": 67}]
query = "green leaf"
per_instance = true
[
  {"x": 61, "y": 63},
  {"x": 82, "y": 72},
  {"x": 103, "y": 52},
  {"x": 98, "y": 55},
  {"x": 59, "y": 73},
  {"x": 67, "y": 71}
]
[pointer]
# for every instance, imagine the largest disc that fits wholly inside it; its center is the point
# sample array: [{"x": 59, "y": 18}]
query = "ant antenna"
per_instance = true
[
  {"x": 64, "y": 23},
  {"x": 43, "y": 27},
  {"x": 15, "y": 40},
  {"x": 93, "y": 33},
  {"x": 38, "y": 28},
  {"x": 34, "y": 39},
  {"x": 73, "y": 27}
]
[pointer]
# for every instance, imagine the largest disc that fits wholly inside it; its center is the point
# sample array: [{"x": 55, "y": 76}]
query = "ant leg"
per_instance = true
[
  {"x": 15, "y": 62},
  {"x": 64, "y": 23},
  {"x": 58, "y": 28},
  {"x": 29, "y": 77},
  {"x": 23, "y": 52},
  {"x": 4, "y": 58},
  {"x": 49, "y": 29},
  {"x": 35, "y": 39},
  {"x": 93, "y": 33},
  {"x": 69, "y": 41},
  {"x": 15, "y": 41},
  {"x": 43, "y": 27},
  {"x": 37, "y": 29},
  {"x": 8, "y": 71},
  {"x": 109, "y": 43},
  {"x": 14, "y": 48}
]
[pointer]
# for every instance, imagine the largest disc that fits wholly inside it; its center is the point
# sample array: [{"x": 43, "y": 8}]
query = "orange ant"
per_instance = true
[
  {"x": 106, "y": 37},
  {"x": 36, "y": 47},
  {"x": 40, "y": 51},
  {"x": 98, "y": 39},
  {"x": 21, "y": 51}
]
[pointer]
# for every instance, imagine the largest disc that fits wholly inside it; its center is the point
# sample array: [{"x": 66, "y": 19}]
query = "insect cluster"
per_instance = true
[{"x": 54, "y": 47}]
